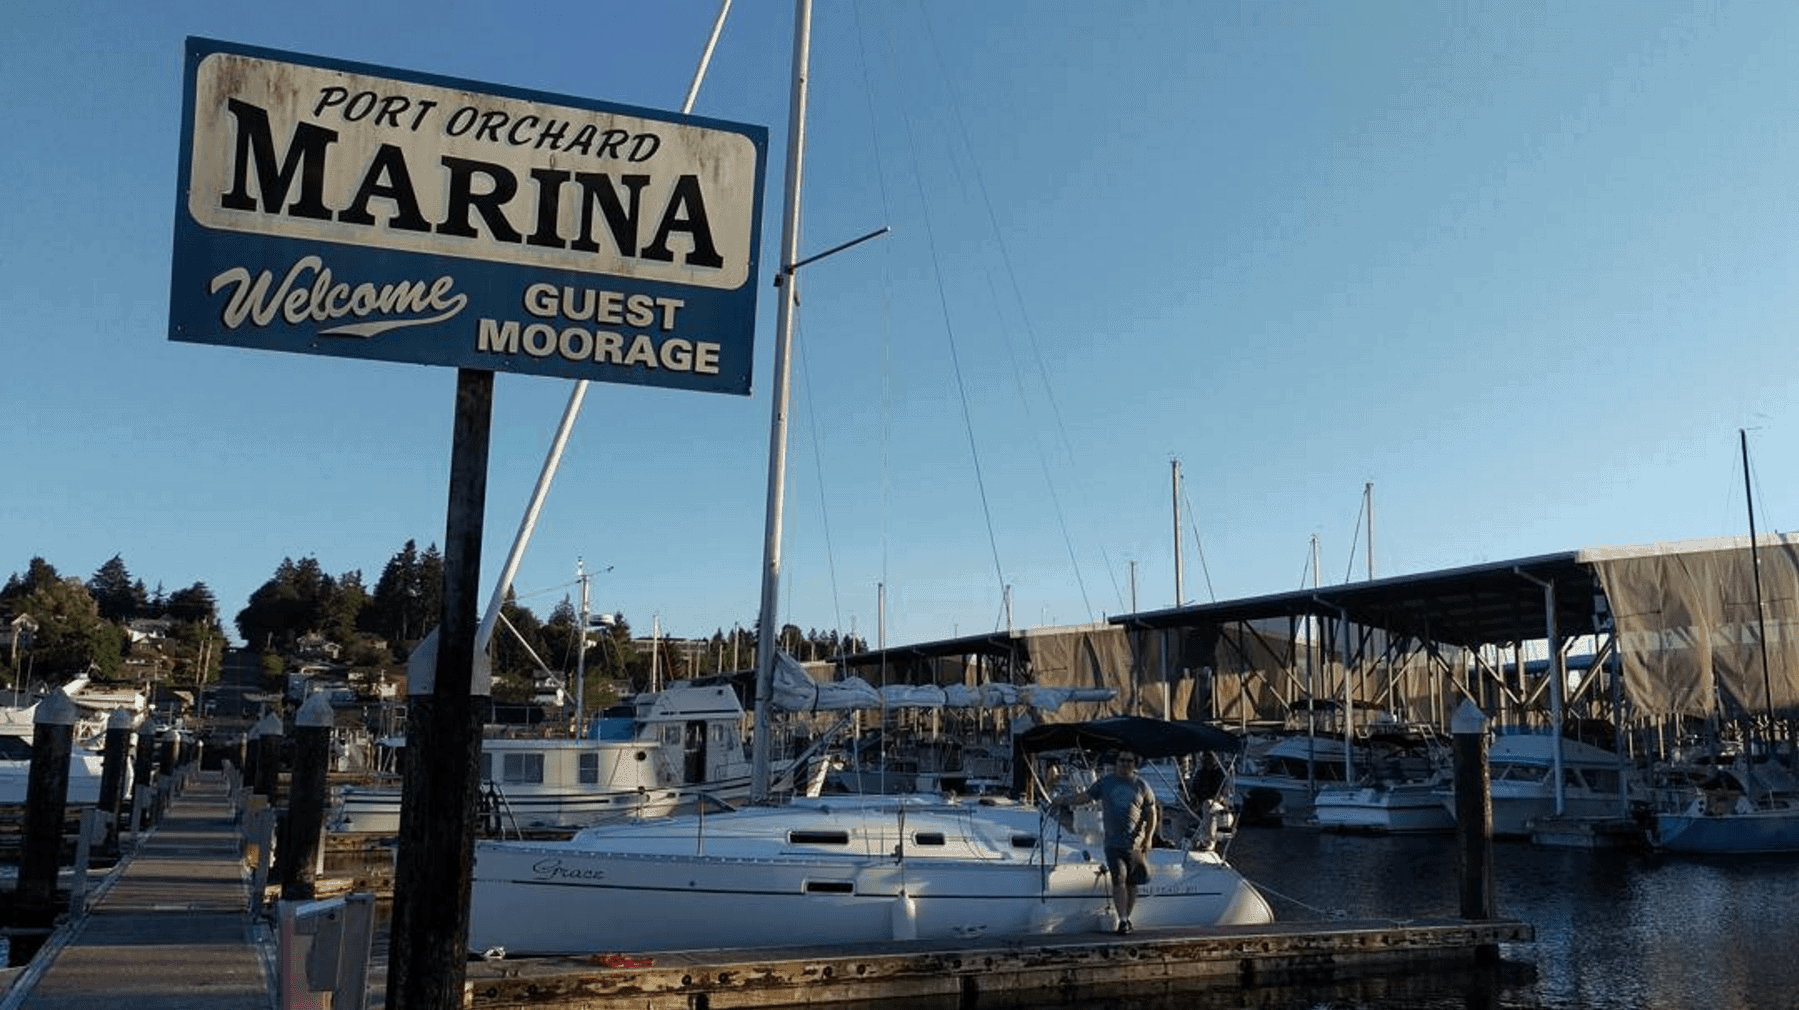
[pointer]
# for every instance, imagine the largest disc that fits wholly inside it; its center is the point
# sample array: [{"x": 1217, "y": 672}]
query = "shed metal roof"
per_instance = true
[{"x": 1499, "y": 602}]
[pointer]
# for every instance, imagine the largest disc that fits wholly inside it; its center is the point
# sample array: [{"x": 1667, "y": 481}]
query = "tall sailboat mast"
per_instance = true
[
  {"x": 788, "y": 281},
  {"x": 1755, "y": 563}
]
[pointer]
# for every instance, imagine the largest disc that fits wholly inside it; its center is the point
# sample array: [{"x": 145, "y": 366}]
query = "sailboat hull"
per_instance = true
[
  {"x": 762, "y": 877},
  {"x": 1764, "y": 829}
]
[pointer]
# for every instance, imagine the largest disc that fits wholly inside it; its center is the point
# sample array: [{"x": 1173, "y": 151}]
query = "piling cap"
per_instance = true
[
  {"x": 1468, "y": 720},
  {"x": 316, "y": 712},
  {"x": 57, "y": 710},
  {"x": 268, "y": 725}
]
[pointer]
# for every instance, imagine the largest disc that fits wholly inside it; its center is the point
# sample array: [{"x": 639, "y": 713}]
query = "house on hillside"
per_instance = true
[
  {"x": 313, "y": 645},
  {"x": 148, "y": 629}
]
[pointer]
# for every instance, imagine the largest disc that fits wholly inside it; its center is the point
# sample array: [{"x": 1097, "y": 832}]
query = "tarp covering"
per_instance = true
[{"x": 1687, "y": 627}]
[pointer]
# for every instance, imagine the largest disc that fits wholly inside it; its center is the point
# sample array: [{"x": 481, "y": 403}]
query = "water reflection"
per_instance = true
[{"x": 1614, "y": 929}]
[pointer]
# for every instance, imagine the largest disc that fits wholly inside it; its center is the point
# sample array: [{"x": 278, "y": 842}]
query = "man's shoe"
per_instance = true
[{"x": 1124, "y": 927}]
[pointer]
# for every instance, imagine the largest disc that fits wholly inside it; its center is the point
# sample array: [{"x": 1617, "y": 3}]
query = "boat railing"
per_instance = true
[{"x": 496, "y": 813}]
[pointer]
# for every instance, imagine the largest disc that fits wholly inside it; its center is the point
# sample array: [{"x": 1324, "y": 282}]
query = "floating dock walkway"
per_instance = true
[
  {"x": 988, "y": 971},
  {"x": 169, "y": 928}
]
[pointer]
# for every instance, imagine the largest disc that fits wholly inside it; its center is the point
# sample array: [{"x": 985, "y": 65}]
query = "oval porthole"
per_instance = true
[{"x": 642, "y": 756}]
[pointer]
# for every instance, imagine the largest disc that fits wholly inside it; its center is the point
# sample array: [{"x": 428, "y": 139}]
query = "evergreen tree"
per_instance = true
[
  {"x": 38, "y": 573},
  {"x": 343, "y": 610},
  {"x": 389, "y": 606},
  {"x": 193, "y": 605},
  {"x": 115, "y": 592},
  {"x": 275, "y": 608},
  {"x": 409, "y": 595},
  {"x": 430, "y": 587}
]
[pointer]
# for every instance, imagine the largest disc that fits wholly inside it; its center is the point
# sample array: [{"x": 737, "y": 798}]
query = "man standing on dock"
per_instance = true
[{"x": 1131, "y": 815}]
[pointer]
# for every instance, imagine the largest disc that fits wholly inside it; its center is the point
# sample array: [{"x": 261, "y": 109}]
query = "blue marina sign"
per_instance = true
[{"x": 356, "y": 211}]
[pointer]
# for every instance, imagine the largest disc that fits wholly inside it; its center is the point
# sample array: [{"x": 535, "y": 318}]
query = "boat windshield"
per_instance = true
[{"x": 1520, "y": 773}]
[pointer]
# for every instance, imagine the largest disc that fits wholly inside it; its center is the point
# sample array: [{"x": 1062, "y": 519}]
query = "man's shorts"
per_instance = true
[{"x": 1128, "y": 865}]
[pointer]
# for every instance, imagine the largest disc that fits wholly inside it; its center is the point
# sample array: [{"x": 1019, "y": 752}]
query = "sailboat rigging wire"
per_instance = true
[
  {"x": 1198, "y": 548},
  {"x": 949, "y": 330},
  {"x": 818, "y": 469},
  {"x": 553, "y": 458},
  {"x": 1042, "y": 457},
  {"x": 874, "y": 139},
  {"x": 1030, "y": 332}
]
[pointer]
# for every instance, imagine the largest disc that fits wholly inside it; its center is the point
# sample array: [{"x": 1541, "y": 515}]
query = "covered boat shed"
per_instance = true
[{"x": 1690, "y": 628}]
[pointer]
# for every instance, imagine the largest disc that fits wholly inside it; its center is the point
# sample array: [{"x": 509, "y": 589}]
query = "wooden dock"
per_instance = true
[
  {"x": 168, "y": 929},
  {"x": 989, "y": 971},
  {"x": 1588, "y": 833}
]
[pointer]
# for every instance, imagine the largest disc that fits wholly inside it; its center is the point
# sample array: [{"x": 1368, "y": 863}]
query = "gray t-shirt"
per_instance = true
[{"x": 1125, "y": 806}]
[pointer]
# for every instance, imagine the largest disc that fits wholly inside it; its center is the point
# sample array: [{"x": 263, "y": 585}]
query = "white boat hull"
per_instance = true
[
  {"x": 85, "y": 772},
  {"x": 1400, "y": 808},
  {"x": 578, "y": 898}
]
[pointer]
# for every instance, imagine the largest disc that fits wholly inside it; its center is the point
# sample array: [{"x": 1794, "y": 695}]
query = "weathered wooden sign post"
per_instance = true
[{"x": 336, "y": 208}]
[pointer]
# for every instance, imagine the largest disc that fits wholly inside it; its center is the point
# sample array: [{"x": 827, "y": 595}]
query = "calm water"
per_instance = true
[{"x": 1614, "y": 930}]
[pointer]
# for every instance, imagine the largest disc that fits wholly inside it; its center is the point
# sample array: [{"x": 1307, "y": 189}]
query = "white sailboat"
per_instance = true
[
  {"x": 842, "y": 869},
  {"x": 833, "y": 870}
]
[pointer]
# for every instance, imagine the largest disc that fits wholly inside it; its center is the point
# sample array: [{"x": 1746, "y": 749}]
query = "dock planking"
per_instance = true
[{"x": 1071, "y": 966}]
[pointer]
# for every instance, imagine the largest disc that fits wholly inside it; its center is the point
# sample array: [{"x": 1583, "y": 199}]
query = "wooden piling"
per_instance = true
[
  {"x": 298, "y": 859},
  {"x": 169, "y": 756},
  {"x": 46, "y": 805},
  {"x": 143, "y": 772},
  {"x": 1474, "y": 817},
  {"x": 442, "y": 785},
  {"x": 114, "y": 763},
  {"x": 268, "y": 735}
]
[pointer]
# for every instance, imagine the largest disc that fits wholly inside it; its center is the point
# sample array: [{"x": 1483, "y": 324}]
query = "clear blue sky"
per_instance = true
[{"x": 1526, "y": 267}]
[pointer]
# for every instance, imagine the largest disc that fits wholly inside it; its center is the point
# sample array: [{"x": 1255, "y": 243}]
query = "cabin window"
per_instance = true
[
  {"x": 818, "y": 837},
  {"x": 928, "y": 838},
  {"x": 521, "y": 769},
  {"x": 1024, "y": 841},
  {"x": 486, "y": 767},
  {"x": 589, "y": 772},
  {"x": 830, "y": 887},
  {"x": 1521, "y": 773},
  {"x": 1604, "y": 780}
]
